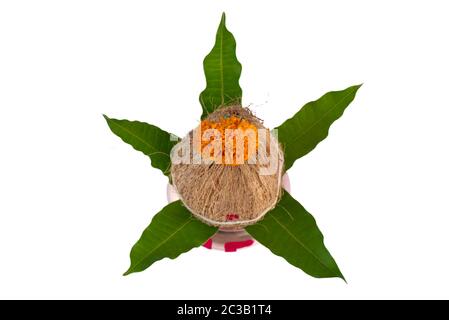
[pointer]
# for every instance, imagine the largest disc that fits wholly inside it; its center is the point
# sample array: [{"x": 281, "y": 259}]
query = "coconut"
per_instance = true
[{"x": 229, "y": 194}]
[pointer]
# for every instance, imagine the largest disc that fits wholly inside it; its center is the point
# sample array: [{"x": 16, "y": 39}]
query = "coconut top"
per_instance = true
[
  {"x": 238, "y": 177},
  {"x": 234, "y": 111}
]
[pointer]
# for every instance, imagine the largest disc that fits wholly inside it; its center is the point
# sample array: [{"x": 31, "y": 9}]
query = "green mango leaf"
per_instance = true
[
  {"x": 172, "y": 232},
  {"x": 222, "y": 70},
  {"x": 291, "y": 232},
  {"x": 152, "y": 141},
  {"x": 309, "y": 126}
]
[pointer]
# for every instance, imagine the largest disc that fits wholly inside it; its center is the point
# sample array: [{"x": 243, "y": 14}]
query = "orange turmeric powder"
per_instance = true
[{"x": 232, "y": 123}]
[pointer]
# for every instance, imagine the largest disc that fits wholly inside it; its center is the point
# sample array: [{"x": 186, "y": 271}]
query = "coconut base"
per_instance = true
[{"x": 229, "y": 196}]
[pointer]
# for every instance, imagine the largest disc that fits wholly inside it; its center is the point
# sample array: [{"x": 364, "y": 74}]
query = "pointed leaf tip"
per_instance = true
[
  {"x": 146, "y": 138},
  {"x": 310, "y": 125},
  {"x": 222, "y": 70},
  {"x": 172, "y": 232},
  {"x": 291, "y": 232}
]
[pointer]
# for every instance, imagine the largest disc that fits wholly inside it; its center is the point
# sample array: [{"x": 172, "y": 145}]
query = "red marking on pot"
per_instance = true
[
  {"x": 233, "y": 246},
  {"x": 208, "y": 244},
  {"x": 232, "y": 217}
]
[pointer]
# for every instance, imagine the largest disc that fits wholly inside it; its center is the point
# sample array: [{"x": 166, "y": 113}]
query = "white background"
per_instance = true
[{"x": 74, "y": 198}]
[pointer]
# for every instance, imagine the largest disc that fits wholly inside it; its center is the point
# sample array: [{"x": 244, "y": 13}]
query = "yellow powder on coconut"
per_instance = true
[{"x": 227, "y": 128}]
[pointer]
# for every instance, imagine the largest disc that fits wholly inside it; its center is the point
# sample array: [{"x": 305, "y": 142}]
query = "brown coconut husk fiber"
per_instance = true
[{"x": 213, "y": 191}]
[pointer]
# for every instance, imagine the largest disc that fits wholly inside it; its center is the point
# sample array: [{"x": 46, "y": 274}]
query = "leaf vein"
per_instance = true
[
  {"x": 141, "y": 140},
  {"x": 146, "y": 256},
  {"x": 323, "y": 116},
  {"x": 299, "y": 241}
]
